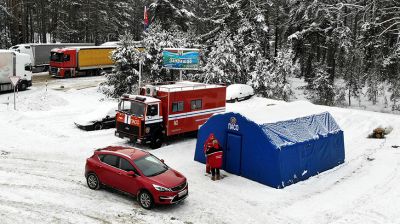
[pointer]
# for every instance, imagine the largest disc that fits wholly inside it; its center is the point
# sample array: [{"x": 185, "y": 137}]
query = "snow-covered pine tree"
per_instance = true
[
  {"x": 236, "y": 37},
  {"x": 284, "y": 67},
  {"x": 321, "y": 87},
  {"x": 261, "y": 78},
  {"x": 155, "y": 39},
  {"x": 395, "y": 96},
  {"x": 125, "y": 75},
  {"x": 271, "y": 79},
  {"x": 222, "y": 66},
  {"x": 172, "y": 12}
]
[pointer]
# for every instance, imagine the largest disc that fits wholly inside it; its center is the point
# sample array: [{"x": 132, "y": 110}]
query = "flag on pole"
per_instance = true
[{"x": 145, "y": 19}]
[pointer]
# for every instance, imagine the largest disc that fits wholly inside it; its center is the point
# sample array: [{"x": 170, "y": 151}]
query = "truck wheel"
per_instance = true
[
  {"x": 157, "y": 141},
  {"x": 23, "y": 86}
]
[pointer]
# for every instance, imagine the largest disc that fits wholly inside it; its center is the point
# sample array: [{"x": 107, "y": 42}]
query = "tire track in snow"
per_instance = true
[
  {"x": 359, "y": 162},
  {"x": 377, "y": 192},
  {"x": 44, "y": 178}
]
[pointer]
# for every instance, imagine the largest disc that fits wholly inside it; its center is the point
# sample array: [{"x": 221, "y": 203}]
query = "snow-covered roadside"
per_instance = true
[{"x": 42, "y": 157}]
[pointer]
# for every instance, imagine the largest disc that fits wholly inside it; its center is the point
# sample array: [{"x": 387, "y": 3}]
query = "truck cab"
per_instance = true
[
  {"x": 62, "y": 62},
  {"x": 15, "y": 64},
  {"x": 139, "y": 118}
]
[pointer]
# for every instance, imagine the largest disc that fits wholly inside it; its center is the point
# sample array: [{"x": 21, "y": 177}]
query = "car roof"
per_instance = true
[{"x": 130, "y": 152}]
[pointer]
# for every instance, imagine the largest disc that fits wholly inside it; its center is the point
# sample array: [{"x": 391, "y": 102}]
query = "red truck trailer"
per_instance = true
[
  {"x": 76, "y": 61},
  {"x": 163, "y": 110}
]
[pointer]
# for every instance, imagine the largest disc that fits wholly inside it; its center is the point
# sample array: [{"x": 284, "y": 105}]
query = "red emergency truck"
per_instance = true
[{"x": 163, "y": 110}]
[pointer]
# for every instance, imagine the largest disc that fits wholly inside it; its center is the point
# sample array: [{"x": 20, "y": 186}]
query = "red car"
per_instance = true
[{"x": 136, "y": 172}]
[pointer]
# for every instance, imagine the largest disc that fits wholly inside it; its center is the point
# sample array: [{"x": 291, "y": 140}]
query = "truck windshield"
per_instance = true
[
  {"x": 132, "y": 107},
  {"x": 57, "y": 57}
]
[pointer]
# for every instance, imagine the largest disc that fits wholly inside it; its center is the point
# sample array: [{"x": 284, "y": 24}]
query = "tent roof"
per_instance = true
[
  {"x": 284, "y": 133},
  {"x": 262, "y": 110}
]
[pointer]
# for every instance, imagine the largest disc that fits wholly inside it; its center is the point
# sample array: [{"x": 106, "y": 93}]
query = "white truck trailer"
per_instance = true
[
  {"x": 40, "y": 53},
  {"x": 15, "y": 64}
]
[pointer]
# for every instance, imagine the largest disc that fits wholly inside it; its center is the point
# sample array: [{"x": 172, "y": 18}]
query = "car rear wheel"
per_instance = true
[
  {"x": 146, "y": 200},
  {"x": 93, "y": 181},
  {"x": 98, "y": 126}
]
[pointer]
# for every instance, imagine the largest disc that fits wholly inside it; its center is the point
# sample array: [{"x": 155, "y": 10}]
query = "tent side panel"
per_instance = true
[
  {"x": 292, "y": 168},
  {"x": 259, "y": 157},
  {"x": 301, "y": 161}
]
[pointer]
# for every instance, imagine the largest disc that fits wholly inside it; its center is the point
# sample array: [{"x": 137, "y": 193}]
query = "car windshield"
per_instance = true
[
  {"x": 58, "y": 57},
  {"x": 151, "y": 166},
  {"x": 132, "y": 107}
]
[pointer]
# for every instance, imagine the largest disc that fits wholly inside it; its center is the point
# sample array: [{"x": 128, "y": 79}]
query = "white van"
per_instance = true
[{"x": 15, "y": 64}]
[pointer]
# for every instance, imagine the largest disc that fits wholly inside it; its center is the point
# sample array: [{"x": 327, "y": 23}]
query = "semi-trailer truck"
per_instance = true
[
  {"x": 77, "y": 61},
  {"x": 40, "y": 53},
  {"x": 15, "y": 64}
]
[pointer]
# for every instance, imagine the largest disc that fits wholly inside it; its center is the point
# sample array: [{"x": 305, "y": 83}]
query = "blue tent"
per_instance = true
[{"x": 276, "y": 154}]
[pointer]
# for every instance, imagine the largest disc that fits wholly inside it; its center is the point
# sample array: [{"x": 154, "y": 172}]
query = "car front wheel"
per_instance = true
[
  {"x": 145, "y": 200},
  {"x": 93, "y": 181}
]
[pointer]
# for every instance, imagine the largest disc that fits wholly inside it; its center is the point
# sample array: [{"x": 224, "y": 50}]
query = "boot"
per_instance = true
[
  {"x": 208, "y": 169},
  {"x": 218, "y": 177},
  {"x": 213, "y": 178}
]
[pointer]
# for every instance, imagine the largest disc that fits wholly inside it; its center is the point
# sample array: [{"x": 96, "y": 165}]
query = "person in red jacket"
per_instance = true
[
  {"x": 208, "y": 144},
  {"x": 214, "y": 158}
]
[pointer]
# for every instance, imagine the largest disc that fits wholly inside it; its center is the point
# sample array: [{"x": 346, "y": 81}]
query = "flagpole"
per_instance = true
[{"x": 145, "y": 23}]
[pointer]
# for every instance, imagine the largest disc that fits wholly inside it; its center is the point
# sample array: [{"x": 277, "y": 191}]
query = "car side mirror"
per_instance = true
[
  {"x": 162, "y": 160},
  {"x": 132, "y": 173}
]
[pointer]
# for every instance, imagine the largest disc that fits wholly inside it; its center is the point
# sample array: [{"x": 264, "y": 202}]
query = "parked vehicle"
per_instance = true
[
  {"x": 15, "y": 64},
  {"x": 77, "y": 61},
  {"x": 101, "y": 118},
  {"x": 138, "y": 173},
  {"x": 237, "y": 92},
  {"x": 170, "y": 109},
  {"x": 40, "y": 53}
]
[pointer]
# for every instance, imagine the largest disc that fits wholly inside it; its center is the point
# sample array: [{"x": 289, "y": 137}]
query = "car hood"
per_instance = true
[{"x": 169, "y": 178}]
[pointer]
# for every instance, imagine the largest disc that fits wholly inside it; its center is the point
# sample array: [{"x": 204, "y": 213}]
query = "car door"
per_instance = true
[
  {"x": 108, "y": 171},
  {"x": 125, "y": 182}
]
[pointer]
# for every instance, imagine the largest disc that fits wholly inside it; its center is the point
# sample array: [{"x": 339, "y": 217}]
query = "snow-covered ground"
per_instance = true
[
  {"x": 42, "y": 158},
  {"x": 361, "y": 102}
]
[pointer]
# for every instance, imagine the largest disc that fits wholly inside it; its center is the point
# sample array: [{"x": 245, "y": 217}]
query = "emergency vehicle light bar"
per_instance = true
[{"x": 140, "y": 98}]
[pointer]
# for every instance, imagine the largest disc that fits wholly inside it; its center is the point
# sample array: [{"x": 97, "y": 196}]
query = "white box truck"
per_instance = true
[
  {"x": 15, "y": 64},
  {"x": 40, "y": 53}
]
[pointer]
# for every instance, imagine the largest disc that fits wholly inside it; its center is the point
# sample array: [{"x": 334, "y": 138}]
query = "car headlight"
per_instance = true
[
  {"x": 147, "y": 130},
  {"x": 160, "y": 188}
]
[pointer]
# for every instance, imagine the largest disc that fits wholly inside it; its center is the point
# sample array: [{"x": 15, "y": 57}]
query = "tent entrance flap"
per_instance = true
[{"x": 233, "y": 153}]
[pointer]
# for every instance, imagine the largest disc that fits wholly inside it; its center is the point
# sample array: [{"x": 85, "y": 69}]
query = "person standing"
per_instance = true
[
  {"x": 208, "y": 144},
  {"x": 214, "y": 156}
]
